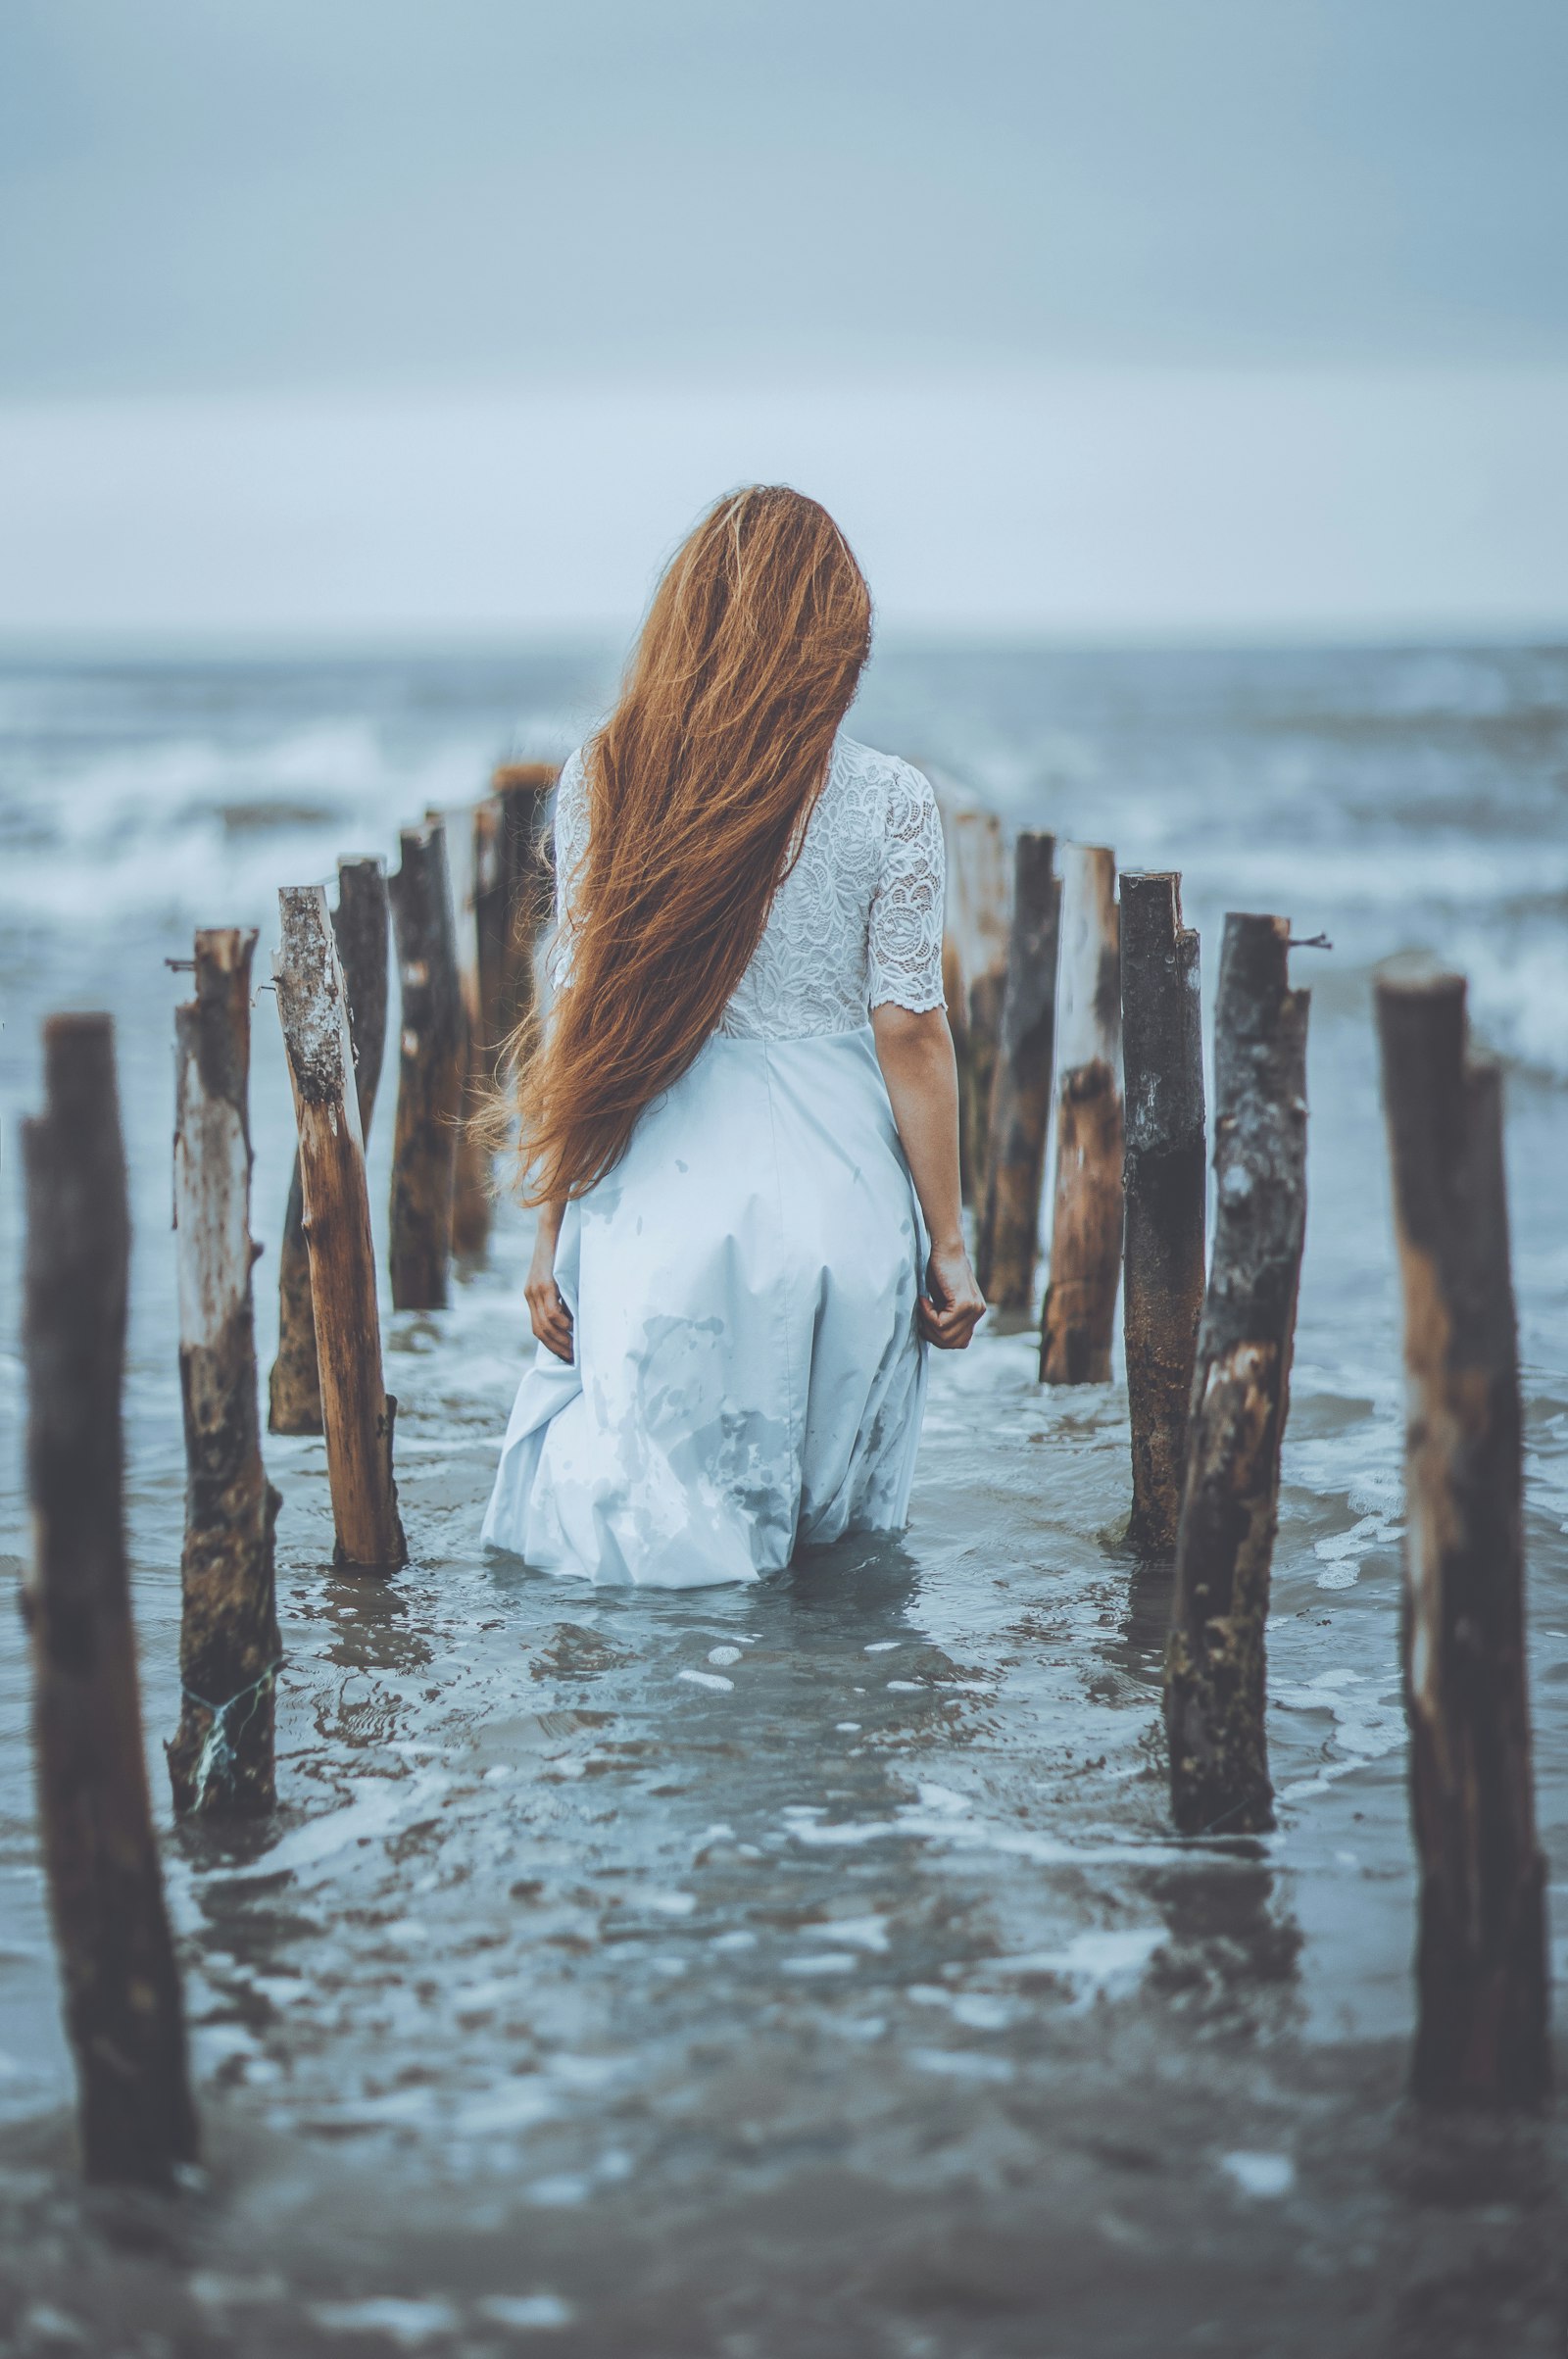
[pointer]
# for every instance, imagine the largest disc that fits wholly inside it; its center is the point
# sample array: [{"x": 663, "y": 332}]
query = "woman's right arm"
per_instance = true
[{"x": 547, "y": 1311}]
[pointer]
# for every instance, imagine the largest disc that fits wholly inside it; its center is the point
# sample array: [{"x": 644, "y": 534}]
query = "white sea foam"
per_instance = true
[
  {"x": 1265, "y": 2176},
  {"x": 408, "y": 2324}
]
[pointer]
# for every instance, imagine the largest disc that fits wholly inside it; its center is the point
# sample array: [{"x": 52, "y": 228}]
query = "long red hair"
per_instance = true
[{"x": 698, "y": 785}]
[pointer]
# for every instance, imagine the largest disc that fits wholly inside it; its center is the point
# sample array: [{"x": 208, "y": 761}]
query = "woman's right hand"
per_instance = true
[
  {"x": 552, "y": 1320},
  {"x": 952, "y": 1305}
]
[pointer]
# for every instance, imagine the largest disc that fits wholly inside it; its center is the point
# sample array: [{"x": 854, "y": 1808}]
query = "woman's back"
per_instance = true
[
  {"x": 726, "y": 1281},
  {"x": 857, "y": 919}
]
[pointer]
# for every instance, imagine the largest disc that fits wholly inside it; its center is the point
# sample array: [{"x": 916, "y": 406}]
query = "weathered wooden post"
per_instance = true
[
  {"x": 471, "y": 1201},
  {"x": 524, "y": 789},
  {"x": 360, "y": 927},
  {"x": 1079, "y": 1315},
  {"x": 356, "y": 1413},
  {"x": 489, "y": 924},
  {"x": 1162, "y": 1170},
  {"x": 429, "y": 1072},
  {"x": 1020, "y": 1094},
  {"x": 1481, "y": 1964},
  {"x": 221, "y": 1759},
  {"x": 1215, "y": 1662},
  {"x": 123, "y": 2010},
  {"x": 978, "y": 915}
]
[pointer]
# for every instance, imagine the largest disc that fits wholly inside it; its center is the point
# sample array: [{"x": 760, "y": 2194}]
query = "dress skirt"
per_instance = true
[{"x": 749, "y": 1379}]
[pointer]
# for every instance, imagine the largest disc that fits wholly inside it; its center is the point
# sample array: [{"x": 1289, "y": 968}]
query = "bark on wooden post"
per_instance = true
[
  {"x": 360, "y": 927},
  {"x": 524, "y": 789},
  {"x": 1481, "y": 1964},
  {"x": 430, "y": 1073},
  {"x": 1214, "y": 1663},
  {"x": 1078, "y": 1317},
  {"x": 356, "y": 1413},
  {"x": 471, "y": 851},
  {"x": 978, "y": 914},
  {"x": 1162, "y": 1170},
  {"x": 490, "y": 924},
  {"x": 1020, "y": 1095},
  {"x": 221, "y": 1759},
  {"x": 123, "y": 2010}
]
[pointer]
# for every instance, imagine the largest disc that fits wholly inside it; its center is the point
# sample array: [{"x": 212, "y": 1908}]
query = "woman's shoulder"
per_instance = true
[{"x": 899, "y": 784}]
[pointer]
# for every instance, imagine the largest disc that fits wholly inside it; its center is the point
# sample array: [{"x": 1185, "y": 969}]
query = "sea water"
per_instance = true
[{"x": 810, "y": 1966}]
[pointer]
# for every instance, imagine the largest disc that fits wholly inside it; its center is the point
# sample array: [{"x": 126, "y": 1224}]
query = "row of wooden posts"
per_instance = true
[
  {"x": 1061, "y": 980},
  {"x": 1208, "y": 1364}
]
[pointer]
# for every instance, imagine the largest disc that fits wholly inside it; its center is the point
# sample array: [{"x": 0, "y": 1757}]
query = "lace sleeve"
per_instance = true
[
  {"x": 571, "y": 851},
  {"x": 907, "y": 915}
]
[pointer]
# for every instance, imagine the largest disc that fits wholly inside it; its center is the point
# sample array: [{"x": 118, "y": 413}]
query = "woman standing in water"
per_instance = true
[{"x": 740, "y": 1122}]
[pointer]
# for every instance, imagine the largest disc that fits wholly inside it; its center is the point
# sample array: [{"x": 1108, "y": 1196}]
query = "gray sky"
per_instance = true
[
  {"x": 422, "y": 284},
  {"x": 281, "y": 193}
]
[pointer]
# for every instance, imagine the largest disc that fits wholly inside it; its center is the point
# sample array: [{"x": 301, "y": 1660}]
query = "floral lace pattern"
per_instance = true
[{"x": 855, "y": 924}]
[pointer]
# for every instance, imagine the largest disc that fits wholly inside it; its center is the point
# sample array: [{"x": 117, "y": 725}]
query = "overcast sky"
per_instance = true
[{"x": 1000, "y": 257}]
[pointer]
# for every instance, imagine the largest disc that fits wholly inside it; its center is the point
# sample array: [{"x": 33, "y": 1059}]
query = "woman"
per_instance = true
[{"x": 741, "y": 1123}]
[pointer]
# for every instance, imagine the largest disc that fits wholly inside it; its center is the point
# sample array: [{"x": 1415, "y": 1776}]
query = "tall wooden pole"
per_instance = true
[
  {"x": 221, "y": 1759},
  {"x": 124, "y": 2009},
  {"x": 976, "y": 973},
  {"x": 1480, "y": 1965},
  {"x": 360, "y": 927},
  {"x": 429, "y": 1072},
  {"x": 357, "y": 1412},
  {"x": 1215, "y": 1662},
  {"x": 1079, "y": 1315},
  {"x": 470, "y": 847},
  {"x": 524, "y": 789},
  {"x": 1020, "y": 1094},
  {"x": 1162, "y": 1170}
]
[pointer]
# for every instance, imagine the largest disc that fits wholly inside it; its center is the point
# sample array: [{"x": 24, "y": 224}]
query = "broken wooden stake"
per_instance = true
[
  {"x": 221, "y": 1759},
  {"x": 361, "y": 928},
  {"x": 425, "y": 1139},
  {"x": 1215, "y": 1662},
  {"x": 357, "y": 1412},
  {"x": 123, "y": 2010},
  {"x": 1078, "y": 1317},
  {"x": 1481, "y": 1964},
  {"x": 1020, "y": 1095},
  {"x": 1163, "y": 1191}
]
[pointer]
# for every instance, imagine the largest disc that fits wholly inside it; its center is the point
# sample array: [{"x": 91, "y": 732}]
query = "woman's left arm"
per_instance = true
[{"x": 915, "y": 1053}]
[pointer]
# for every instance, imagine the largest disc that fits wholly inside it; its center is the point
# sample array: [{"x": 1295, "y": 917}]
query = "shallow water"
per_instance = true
[{"x": 808, "y": 1967}]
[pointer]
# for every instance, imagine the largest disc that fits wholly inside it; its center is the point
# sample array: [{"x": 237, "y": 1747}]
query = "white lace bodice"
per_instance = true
[{"x": 856, "y": 923}]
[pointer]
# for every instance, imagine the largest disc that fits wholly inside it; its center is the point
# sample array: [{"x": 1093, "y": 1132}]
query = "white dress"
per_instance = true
[{"x": 749, "y": 1379}]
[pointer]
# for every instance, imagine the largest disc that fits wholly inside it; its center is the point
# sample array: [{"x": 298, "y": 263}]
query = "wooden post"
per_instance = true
[
  {"x": 429, "y": 1072},
  {"x": 1481, "y": 1966},
  {"x": 221, "y": 1759},
  {"x": 1215, "y": 1662},
  {"x": 357, "y": 1414},
  {"x": 1162, "y": 1170},
  {"x": 361, "y": 928},
  {"x": 975, "y": 972},
  {"x": 490, "y": 924},
  {"x": 1079, "y": 1315},
  {"x": 122, "y": 1998},
  {"x": 471, "y": 851},
  {"x": 1020, "y": 1095},
  {"x": 524, "y": 789}
]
